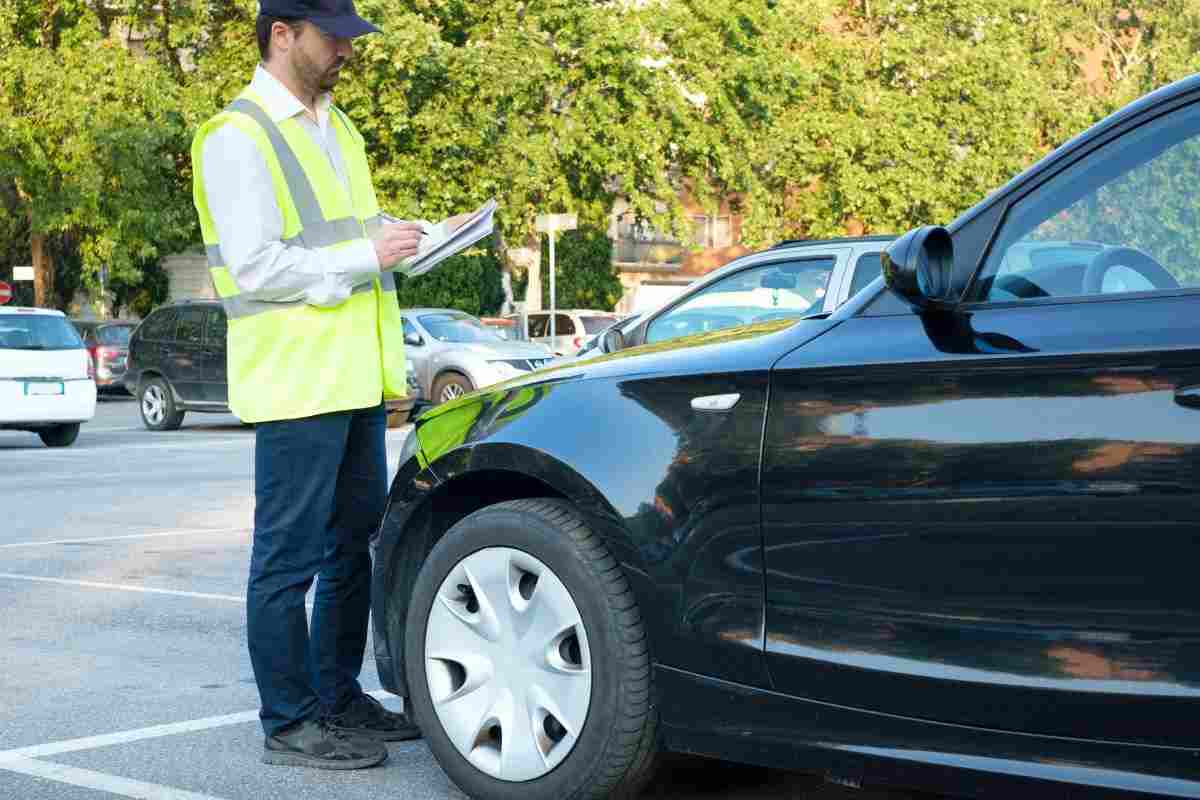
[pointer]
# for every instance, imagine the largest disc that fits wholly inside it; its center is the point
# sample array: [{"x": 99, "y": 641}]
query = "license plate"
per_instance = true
[{"x": 47, "y": 387}]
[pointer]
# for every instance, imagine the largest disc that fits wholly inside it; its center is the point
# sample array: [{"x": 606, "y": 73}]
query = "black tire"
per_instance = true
[
  {"x": 60, "y": 435},
  {"x": 451, "y": 383},
  {"x": 155, "y": 393},
  {"x": 615, "y": 752}
]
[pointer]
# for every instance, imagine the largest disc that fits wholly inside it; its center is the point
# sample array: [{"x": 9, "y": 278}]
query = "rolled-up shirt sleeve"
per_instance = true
[{"x": 249, "y": 226}]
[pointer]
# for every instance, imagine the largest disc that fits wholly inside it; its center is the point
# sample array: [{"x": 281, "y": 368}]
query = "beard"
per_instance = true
[{"x": 319, "y": 79}]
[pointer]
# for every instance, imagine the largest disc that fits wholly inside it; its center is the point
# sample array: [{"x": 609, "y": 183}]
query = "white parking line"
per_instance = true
[
  {"x": 121, "y": 587},
  {"x": 100, "y": 781},
  {"x": 138, "y": 734},
  {"x": 197, "y": 531}
]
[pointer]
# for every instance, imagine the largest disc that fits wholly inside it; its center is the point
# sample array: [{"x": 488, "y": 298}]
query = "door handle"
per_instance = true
[
  {"x": 1188, "y": 396},
  {"x": 715, "y": 402}
]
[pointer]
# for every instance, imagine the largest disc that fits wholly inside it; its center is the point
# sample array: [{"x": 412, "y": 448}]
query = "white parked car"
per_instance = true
[
  {"x": 572, "y": 328},
  {"x": 46, "y": 385}
]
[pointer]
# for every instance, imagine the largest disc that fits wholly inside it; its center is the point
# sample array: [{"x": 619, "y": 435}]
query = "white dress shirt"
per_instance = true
[{"x": 249, "y": 223}]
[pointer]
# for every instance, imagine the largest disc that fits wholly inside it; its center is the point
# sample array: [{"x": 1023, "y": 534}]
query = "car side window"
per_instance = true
[
  {"x": 215, "y": 328},
  {"x": 779, "y": 290},
  {"x": 1123, "y": 219},
  {"x": 563, "y": 325},
  {"x": 190, "y": 326},
  {"x": 866, "y": 269},
  {"x": 539, "y": 325},
  {"x": 160, "y": 326}
]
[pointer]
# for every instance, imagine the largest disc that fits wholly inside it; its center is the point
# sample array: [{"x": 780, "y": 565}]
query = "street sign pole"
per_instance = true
[{"x": 551, "y": 224}]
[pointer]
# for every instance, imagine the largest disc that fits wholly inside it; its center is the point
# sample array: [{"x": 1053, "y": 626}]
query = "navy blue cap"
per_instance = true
[{"x": 335, "y": 17}]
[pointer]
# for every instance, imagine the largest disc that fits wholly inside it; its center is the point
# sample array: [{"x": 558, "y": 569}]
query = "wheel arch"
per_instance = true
[{"x": 422, "y": 509}]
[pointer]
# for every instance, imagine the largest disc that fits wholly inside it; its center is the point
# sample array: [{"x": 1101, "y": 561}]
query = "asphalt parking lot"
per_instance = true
[{"x": 123, "y": 667}]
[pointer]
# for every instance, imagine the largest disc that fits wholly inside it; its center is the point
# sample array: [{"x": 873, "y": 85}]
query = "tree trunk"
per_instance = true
[{"x": 43, "y": 271}]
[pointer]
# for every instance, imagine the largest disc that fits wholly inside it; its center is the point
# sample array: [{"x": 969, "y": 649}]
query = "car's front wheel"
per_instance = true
[
  {"x": 451, "y": 386},
  {"x": 60, "y": 435},
  {"x": 527, "y": 660},
  {"x": 157, "y": 405}
]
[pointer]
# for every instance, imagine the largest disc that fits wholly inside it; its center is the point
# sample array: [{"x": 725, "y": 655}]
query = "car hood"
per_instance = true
[{"x": 504, "y": 349}]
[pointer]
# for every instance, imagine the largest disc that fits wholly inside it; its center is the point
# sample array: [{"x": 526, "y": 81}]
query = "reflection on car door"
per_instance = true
[
  {"x": 995, "y": 523},
  {"x": 186, "y": 360},
  {"x": 216, "y": 382}
]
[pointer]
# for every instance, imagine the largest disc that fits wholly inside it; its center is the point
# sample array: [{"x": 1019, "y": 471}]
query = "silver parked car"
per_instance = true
[{"x": 454, "y": 353}]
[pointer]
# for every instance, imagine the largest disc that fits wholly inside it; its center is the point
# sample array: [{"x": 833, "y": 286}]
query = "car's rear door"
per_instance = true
[
  {"x": 186, "y": 360},
  {"x": 990, "y": 517},
  {"x": 215, "y": 370}
]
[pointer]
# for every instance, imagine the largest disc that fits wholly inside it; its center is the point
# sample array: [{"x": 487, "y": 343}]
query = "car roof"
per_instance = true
[
  {"x": 879, "y": 237},
  {"x": 43, "y": 312}
]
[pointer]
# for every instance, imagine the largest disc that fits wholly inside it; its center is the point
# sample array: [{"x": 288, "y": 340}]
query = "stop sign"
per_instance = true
[{"x": 5, "y": 293}]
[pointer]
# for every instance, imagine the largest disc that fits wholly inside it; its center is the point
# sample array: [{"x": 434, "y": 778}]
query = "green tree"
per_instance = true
[
  {"x": 92, "y": 148},
  {"x": 584, "y": 276},
  {"x": 468, "y": 282}
]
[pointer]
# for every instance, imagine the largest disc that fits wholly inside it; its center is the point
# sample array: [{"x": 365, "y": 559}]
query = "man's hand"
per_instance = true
[{"x": 395, "y": 242}]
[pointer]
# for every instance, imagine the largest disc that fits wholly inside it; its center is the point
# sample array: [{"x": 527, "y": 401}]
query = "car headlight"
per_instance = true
[{"x": 505, "y": 370}]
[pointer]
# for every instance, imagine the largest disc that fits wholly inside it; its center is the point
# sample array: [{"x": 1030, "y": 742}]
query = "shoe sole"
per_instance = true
[
  {"x": 284, "y": 759},
  {"x": 381, "y": 736}
]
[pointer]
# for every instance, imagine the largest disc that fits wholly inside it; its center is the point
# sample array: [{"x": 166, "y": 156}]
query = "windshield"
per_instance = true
[
  {"x": 457, "y": 328},
  {"x": 597, "y": 324},
  {"x": 115, "y": 334},
  {"x": 37, "y": 332}
]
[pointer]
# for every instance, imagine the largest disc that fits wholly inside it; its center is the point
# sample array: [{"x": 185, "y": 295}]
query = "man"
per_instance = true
[{"x": 301, "y": 258}]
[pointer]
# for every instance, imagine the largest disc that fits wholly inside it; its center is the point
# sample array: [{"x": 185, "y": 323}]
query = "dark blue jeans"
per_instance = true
[{"x": 320, "y": 486}]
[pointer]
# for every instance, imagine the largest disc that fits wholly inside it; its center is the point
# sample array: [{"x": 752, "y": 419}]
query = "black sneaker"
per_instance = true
[
  {"x": 366, "y": 717},
  {"x": 316, "y": 744}
]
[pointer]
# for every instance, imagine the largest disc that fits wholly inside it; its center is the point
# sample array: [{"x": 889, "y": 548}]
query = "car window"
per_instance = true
[
  {"x": 596, "y": 324},
  {"x": 115, "y": 335},
  {"x": 1124, "y": 219},
  {"x": 779, "y": 290},
  {"x": 160, "y": 326},
  {"x": 37, "y": 332},
  {"x": 215, "y": 328},
  {"x": 563, "y": 325},
  {"x": 190, "y": 326},
  {"x": 866, "y": 269},
  {"x": 539, "y": 325},
  {"x": 457, "y": 327}
]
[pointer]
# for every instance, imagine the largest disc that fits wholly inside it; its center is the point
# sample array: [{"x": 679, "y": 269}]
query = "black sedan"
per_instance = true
[{"x": 946, "y": 536}]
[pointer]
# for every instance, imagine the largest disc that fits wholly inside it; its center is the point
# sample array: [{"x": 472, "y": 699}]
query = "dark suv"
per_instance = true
[{"x": 177, "y": 364}]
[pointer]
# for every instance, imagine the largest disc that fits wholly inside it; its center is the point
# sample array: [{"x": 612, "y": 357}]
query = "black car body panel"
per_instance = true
[{"x": 951, "y": 548}]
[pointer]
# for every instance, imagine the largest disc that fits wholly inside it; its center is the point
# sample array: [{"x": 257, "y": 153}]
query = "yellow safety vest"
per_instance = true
[{"x": 288, "y": 360}]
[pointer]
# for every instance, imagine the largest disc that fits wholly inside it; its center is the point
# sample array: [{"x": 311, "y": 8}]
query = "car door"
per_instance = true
[
  {"x": 539, "y": 328},
  {"x": 215, "y": 377},
  {"x": 185, "y": 363},
  {"x": 564, "y": 333},
  {"x": 989, "y": 516}
]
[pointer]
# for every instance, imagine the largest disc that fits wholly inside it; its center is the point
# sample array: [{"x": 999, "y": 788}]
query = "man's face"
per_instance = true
[{"x": 317, "y": 57}]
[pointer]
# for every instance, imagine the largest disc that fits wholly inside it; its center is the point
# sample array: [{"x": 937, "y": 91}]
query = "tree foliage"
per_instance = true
[
  {"x": 469, "y": 282},
  {"x": 584, "y": 275},
  {"x": 818, "y": 117}
]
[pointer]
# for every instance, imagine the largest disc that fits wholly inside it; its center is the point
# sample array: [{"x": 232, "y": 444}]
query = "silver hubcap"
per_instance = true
[
  {"x": 508, "y": 665},
  {"x": 451, "y": 391},
  {"x": 154, "y": 404}
]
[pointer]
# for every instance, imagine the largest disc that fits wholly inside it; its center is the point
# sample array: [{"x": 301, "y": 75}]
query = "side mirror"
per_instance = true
[
  {"x": 613, "y": 341},
  {"x": 918, "y": 266},
  {"x": 414, "y": 339}
]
